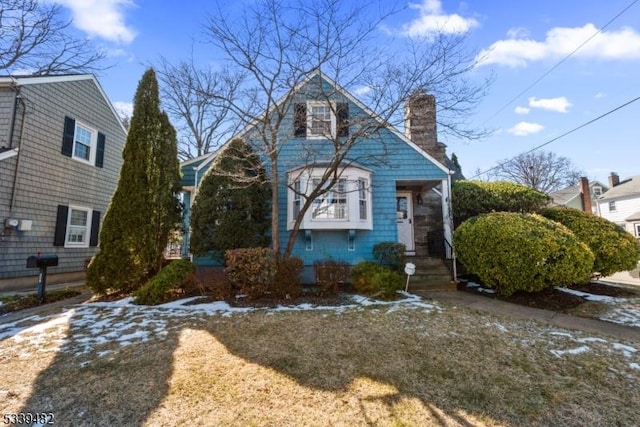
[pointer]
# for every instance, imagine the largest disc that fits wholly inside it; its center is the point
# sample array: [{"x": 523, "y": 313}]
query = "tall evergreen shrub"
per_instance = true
[{"x": 145, "y": 207}]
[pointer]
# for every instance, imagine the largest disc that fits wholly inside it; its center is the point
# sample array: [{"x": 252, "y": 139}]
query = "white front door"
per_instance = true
[{"x": 404, "y": 218}]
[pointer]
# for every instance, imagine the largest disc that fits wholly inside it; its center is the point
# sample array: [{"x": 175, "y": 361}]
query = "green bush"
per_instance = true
[
  {"x": 167, "y": 284},
  {"x": 471, "y": 198},
  {"x": 251, "y": 270},
  {"x": 615, "y": 249},
  {"x": 286, "y": 283},
  {"x": 376, "y": 280},
  {"x": 391, "y": 254},
  {"x": 521, "y": 252},
  {"x": 330, "y": 274}
]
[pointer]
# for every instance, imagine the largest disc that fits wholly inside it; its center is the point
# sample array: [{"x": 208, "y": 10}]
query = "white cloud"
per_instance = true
[
  {"x": 432, "y": 20},
  {"x": 519, "y": 51},
  {"x": 600, "y": 95},
  {"x": 124, "y": 109},
  {"x": 525, "y": 128},
  {"x": 101, "y": 18},
  {"x": 522, "y": 110},
  {"x": 362, "y": 90},
  {"x": 560, "y": 104}
]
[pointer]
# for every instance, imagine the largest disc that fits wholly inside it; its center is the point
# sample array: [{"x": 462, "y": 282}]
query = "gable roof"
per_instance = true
[
  {"x": 633, "y": 217},
  {"x": 353, "y": 100},
  {"x": 32, "y": 80},
  {"x": 566, "y": 195},
  {"x": 627, "y": 188}
]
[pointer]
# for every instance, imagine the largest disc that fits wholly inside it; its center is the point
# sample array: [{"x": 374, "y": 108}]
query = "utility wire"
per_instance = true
[
  {"x": 515, "y": 98},
  {"x": 562, "y": 136}
]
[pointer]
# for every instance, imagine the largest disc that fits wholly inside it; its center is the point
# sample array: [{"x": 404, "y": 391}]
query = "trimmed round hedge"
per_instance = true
[
  {"x": 471, "y": 198},
  {"x": 521, "y": 252},
  {"x": 614, "y": 249}
]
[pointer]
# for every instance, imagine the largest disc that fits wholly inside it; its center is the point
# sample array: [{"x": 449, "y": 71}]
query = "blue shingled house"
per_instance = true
[{"x": 392, "y": 186}]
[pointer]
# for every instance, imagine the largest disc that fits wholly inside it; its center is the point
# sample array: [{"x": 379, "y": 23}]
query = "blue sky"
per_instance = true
[{"x": 521, "y": 41}]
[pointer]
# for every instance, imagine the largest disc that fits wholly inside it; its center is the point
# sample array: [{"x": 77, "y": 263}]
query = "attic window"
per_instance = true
[
  {"x": 320, "y": 119},
  {"x": 597, "y": 191}
]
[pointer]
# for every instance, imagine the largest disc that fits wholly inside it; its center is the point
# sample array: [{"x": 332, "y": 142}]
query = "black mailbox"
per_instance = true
[{"x": 40, "y": 261}]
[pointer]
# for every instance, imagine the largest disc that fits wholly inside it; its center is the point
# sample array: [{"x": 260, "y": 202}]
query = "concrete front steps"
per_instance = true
[{"x": 432, "y": 274}]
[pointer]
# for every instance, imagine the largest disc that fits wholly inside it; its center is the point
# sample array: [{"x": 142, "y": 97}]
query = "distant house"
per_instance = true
[
  {"x": 621, "y": 203},
  {"x": 61, "y": 145},
  {"x": 404, "y": 198},
  {"x": 582, "y": 196}
]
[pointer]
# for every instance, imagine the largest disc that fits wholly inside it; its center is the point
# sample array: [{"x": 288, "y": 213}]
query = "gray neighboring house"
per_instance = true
[
  {"x": 61, "y": 145},
  {"x": 582, "y": 196},
  {"x": 621, "y": 204}
]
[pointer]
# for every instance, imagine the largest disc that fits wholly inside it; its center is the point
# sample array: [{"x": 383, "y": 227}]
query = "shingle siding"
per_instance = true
[
  {"x": 388, "y": 156},
  {"x": 46, "y": 178}
]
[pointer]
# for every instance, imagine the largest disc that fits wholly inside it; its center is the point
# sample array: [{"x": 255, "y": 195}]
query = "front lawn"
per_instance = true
[{"x": 406, "y": 362}]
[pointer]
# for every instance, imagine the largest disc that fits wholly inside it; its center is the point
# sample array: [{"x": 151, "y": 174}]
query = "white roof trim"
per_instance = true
[
  {"x": 30, "y": 80},
  {"x": 9, "y": 153},
  {"x": 360, "y": 105}
]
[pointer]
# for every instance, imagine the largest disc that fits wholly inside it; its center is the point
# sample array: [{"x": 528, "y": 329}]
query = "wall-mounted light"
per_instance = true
[{"x": 419, "y": 199}]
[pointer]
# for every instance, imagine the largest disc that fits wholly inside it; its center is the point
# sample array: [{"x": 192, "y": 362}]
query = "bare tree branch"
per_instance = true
[
  {"x": 277, "y": 44},
  {"x": 541, "y": 170},
  {"x": 198, "y": 100},
  {"x": 35, "y": 41}
]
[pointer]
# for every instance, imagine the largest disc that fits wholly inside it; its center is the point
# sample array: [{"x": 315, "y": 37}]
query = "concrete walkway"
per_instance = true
[{"x": 495, "y": 306}]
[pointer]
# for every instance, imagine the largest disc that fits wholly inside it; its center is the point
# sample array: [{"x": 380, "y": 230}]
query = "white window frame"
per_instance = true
[
  {"x": 597, "y": 190},
  {"x": 357, "y": 183},
  {"x": 637, "y": 228},
  {"x": 93, "y": 144},
  {"x": 310, "y": 119},
  {"x": 332, "y": 205},
  {"x": 72, "y": 227},
  {"x": 612, "y": 206}
]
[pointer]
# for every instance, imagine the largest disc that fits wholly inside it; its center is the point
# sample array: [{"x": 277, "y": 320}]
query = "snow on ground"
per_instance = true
[
  {"x": 625, "y": 311},
  {"x": 123, "y": 323}
]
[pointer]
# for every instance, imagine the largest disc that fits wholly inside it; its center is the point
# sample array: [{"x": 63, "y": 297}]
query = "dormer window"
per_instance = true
[
  {"x": 321, "y": 119},
  {"x": 597, "y": 191}
]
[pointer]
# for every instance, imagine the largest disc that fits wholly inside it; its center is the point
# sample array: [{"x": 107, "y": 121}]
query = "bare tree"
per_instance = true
[
  {"x": 544, "y": 171},
  {"x": 35, "y": 40},
  {"x": 198, "y": 99},
  {"x": 277, "y": 45}
]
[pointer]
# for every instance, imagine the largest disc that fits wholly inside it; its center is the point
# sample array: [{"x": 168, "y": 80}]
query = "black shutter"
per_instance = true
[
  {"x": 67, "y": 136},
  {"x": 300, "y": 121},
  {"x": 342, "y": 116},
  {"x": 61, "y": 226},
  {"x": 100, "y": 150},
  {"x": 95, "y": 228}
]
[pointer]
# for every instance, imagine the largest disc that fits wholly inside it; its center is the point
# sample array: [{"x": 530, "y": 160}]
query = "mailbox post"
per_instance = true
[{"x": 42, "y": 262}]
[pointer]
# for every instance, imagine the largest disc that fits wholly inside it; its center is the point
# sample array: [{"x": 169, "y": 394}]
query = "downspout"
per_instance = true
[
  {"x": 450, "y": 204},
  {"x": 12, "y": 125},
  {"x": 20, "y": 150}
]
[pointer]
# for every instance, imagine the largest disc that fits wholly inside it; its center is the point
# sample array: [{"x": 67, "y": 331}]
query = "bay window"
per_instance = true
[{"x": 345, "y": 205}]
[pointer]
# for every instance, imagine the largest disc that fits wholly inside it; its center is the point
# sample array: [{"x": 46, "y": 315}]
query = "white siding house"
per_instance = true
[{"x": 621, "y": 203}]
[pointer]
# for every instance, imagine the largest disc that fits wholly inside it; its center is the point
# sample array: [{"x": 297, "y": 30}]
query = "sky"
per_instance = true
[{"x": 555, "y": 65}]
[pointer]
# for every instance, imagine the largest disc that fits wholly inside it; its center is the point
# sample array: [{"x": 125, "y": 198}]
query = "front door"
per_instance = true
[{"x": 404, "y": 218}]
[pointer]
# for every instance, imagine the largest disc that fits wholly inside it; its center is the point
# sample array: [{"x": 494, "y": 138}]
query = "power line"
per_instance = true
[
  {"x": 559, "y": 62},
  {"x": 563, "y": 135}
]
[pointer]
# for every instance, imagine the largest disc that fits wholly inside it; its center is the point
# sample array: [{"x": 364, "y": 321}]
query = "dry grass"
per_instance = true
[{"x": 373, "y": 366}]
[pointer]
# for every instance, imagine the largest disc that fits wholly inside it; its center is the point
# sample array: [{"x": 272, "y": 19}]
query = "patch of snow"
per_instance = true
[
  {"x": 591, "y": 339},
  {"x": 634, "y": 366},
  {"x": 626, "y": 350},
  {"x": 472, "y": 285},
  {"x": 487, "y": 290},
  {"x": 625, "y": 314},
  {"x": 561, "y": 334},
  {"x": 588, "y": 296},
  {"x": 578, "y": 350}
]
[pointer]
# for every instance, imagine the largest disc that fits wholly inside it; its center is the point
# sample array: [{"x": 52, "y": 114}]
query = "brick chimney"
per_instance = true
[
  {"x": 614, "y": 180},
  {"x": 420, "y": 124},
  {"x": 585, "y": 194}
]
